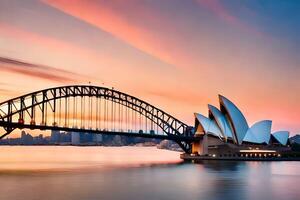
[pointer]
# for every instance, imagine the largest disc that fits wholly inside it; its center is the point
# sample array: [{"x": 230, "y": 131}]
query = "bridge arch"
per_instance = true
[{"x": 43, "y": 104}]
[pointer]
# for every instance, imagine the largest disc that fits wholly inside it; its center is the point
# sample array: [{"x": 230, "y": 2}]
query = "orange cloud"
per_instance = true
[{"x": 106, "y": 17}]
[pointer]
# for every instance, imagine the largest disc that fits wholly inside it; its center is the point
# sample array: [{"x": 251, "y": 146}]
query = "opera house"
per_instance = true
[{"x": 226, "y": 133}]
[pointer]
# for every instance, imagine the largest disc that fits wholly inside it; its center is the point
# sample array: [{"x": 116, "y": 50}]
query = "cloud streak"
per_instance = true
[
  {"x": 37, "y": 71},
  {"x": 216, "y": 7},
  {"x": 110, "y": 16}
]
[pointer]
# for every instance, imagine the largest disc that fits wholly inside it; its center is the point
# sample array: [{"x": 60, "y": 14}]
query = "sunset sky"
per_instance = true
[{"x": 175, "y": 54}]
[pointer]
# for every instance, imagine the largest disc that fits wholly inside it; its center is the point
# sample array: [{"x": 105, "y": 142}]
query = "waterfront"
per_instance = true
[{"x": 64, "y": 172}]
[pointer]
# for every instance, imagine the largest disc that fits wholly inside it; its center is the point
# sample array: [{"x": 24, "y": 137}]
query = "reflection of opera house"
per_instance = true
[{"x": 226, "y": 133}]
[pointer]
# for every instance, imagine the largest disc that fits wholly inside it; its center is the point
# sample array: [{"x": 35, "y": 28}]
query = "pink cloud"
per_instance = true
[
  {"x": 106, "y": 15},
  {"x": 49, "y": 45}
]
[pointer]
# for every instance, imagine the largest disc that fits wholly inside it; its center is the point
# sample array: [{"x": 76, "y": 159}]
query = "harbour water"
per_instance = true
[{"x": 77, "y": 173}]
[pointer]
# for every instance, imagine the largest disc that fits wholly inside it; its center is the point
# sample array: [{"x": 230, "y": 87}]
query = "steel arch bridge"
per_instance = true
[{"x": 93, "y": 109}]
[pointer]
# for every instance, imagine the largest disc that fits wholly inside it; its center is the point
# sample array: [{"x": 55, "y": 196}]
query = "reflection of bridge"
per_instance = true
[{"x": 92, "y": 109}]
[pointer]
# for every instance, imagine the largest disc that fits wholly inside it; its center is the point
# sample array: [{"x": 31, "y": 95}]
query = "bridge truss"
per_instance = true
[{"x": 99, "y": 110}]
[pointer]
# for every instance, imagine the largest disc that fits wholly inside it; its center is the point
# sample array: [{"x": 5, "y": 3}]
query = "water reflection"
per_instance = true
[
  {"x": 63, "y": 158},
  {"x": 221, "y": 165},
  {"x": 140, "y": 173}
]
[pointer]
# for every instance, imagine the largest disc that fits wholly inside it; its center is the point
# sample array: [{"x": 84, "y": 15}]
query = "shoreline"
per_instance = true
[{"x": 197, "y": 158}]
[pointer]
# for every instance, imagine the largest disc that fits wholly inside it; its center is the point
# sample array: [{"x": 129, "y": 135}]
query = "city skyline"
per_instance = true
[{"x": 176, "y": 59}]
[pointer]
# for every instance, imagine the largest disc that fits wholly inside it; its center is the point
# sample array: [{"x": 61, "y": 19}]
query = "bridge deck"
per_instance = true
[{"x": 106, "y": 132}]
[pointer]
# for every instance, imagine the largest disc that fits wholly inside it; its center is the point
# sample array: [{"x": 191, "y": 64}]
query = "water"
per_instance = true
[{"x": 137, "y": 173}]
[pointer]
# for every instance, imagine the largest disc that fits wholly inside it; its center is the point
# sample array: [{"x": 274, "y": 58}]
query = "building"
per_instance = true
[
  {"x": 97, "y": 138},
  {"x": 26, "y": 138},
  {"x": 75, "y": 138},
  {"x": 55, "y": 136},
  {"x": 226, "y": 133},
  {"x": 86, "y": 138},
  {"x": 295, "y": 139}
]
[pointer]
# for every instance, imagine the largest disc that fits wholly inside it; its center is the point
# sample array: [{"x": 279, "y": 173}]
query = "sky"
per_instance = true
[{"x": 177, "y": 55}]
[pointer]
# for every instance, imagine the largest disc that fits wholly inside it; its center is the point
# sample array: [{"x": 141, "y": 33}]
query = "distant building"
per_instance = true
[
  {"x": 86, "y": 138},
  {"x": 117, "y": 140},
  {"x": 75, "y": 138},
  {"x": 65, "y": 137},
  {"x": 23, "y": 137},
  {"x": 26, "y": 139},
  {"x": 55, "y": 136},
  {"x": 38, "y": 139},
  {"x": 97, "y": 138}
]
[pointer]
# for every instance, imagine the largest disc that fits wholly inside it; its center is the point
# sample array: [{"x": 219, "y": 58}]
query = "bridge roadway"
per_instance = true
[{"x": 16, "y": 125}]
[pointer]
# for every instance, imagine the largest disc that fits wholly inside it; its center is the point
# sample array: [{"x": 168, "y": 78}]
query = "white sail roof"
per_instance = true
[
  {"x": 221, "y": 122},
  {"x": 209, "y": 126},
  {"x": 237, "y": 118},
  {"x": 281, "y": 136},
  {"x": 259, "y": 133}
]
